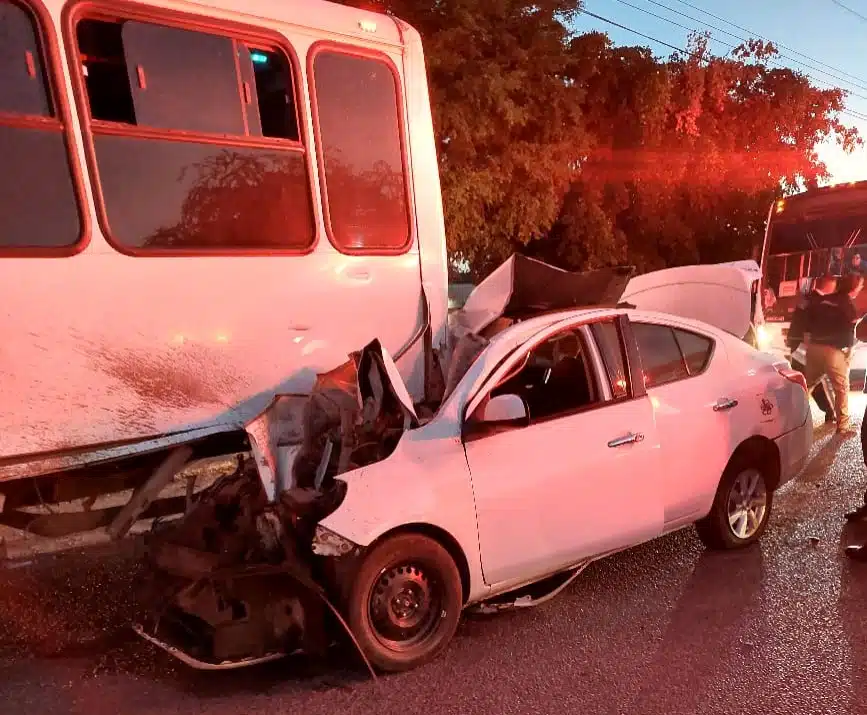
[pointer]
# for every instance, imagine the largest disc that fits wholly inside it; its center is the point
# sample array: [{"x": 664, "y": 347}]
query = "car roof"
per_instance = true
[{"x": 525, "y": 329}]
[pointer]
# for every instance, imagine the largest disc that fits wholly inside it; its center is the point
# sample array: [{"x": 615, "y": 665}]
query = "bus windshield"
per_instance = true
[{"x": 810, "y": 235}]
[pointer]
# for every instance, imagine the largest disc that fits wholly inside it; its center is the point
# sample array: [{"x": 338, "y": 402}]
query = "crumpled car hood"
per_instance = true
[{"x": 522, "y": 287}]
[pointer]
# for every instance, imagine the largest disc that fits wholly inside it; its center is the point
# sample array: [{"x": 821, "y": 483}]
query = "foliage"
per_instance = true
[{"x": 586, "y": 154}]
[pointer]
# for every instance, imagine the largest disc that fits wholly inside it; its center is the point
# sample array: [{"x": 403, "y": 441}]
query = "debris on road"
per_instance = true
[{"x": 235, "y": 581}]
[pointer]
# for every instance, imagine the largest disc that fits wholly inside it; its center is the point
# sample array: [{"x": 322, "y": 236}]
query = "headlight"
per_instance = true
[
  {"x": 327, "y": 543},
  {"x": 763, "y": 338}
]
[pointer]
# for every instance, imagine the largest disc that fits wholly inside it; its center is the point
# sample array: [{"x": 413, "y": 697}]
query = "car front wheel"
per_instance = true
[
  {"x": 405, "y": 602},
  {"x": 741, "y": 508}
]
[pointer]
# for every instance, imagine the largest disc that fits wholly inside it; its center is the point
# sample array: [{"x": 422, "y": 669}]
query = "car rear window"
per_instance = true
[
  {"x": 661, "y": 358},
  {"x": 696, "y": 350}
]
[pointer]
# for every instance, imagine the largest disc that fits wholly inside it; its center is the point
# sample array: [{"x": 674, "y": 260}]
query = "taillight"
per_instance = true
[{"x": 792, "y": 375}]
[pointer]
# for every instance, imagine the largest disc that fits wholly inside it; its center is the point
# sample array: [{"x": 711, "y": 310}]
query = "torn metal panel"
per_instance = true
[
  {"x": 202, "y": 665},
  {"x": 533, "y": 595},
  {"x": 275, "y": 436},
  {"x": 234, "y": 578},
  {"x": 232, "y": 581},
  {"x": 522, "y": 287},
  {"x": 355, "y": 416}
]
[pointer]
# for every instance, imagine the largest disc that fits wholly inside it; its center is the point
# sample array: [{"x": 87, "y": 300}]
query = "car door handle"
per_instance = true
[
  {"x": 724, "y": 404},
  {"x": 631, "y": 438}
]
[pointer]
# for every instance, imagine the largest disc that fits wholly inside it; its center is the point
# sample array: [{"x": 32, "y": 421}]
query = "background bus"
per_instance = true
[{"x": 815, "y": 232}]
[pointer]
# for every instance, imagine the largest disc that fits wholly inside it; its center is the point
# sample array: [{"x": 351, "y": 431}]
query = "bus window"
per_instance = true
[
  {"x": 809, "y": 235},
  {"x": 210, "y": 125},
  {"x": 359, "y": 132},
  {"x": 38, "y": 204}
]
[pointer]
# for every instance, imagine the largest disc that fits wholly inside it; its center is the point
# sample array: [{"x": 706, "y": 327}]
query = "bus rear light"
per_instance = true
[{"x": 792, "y": 375}]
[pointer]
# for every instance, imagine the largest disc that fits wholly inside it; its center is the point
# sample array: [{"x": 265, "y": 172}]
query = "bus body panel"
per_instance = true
[{"x": 102, "y": 347}]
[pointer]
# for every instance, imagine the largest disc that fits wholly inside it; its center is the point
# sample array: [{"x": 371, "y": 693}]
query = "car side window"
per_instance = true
[
  {"x": 661, "y": 358},
  {"x": 696, "y": 350},
  {"x": 610, "y": 344},
  {"x": 670, "y": 354},
  {"x": 556, "y": 379}
]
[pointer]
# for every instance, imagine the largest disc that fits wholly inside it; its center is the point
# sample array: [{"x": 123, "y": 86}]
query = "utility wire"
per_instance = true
[
  {"x": 849, "y": 9},
  {"x": 750, "y": 33},
  {"x": 734, "y": 47},
  {"x": 635, "y": 32},
  {"x": 742, "y": 39},
  {"x": 730, "y": 46},
  {"x": 849, "y": 112}
]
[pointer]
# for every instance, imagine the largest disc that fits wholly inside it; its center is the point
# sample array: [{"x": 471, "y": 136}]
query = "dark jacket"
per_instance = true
[
  {"x": 797, "y": 327},
  {"x": 830, "y": 320}
]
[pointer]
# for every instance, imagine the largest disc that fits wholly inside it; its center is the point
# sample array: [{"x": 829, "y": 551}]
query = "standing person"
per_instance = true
[
  {"x": 831, "y": 329},
  {"x": 822, "y": 286}
]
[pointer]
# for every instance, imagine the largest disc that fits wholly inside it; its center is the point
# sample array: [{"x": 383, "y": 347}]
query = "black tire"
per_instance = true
[
  {"x": 715, "y": 530},
  {"x": 404, "y": 570}
]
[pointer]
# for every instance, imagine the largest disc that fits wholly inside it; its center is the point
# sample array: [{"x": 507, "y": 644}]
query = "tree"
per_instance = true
[
  {"x": 689, "y": 153},
  {"x": 508, "y": 120},
  {"x": 585, "y": 154}
]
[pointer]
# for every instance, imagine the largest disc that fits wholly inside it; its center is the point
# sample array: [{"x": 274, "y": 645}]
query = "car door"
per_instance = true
[
  {"x": 578, "y": 478},
  {"x": 686, "y": 375}
]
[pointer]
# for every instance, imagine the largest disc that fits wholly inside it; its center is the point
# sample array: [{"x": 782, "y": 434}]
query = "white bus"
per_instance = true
[
  {"x": 202, "y": 205},
  {"x": 816, "y": 232}
]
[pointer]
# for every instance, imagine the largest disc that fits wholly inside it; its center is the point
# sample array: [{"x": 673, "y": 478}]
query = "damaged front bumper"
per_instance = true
[{"x": 248, "y": 575}]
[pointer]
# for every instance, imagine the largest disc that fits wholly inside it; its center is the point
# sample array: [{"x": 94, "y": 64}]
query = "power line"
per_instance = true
[
  {"x": 854, "y": 113},
  {"x": 743, "y": 39},
  {"x": 848, "y": 112},
  {"x": 729, "y": 45},
  {"x": 849, "y": 9},
  {"x": 634, "y": 32},
  {"x": 760, "y": 37}
]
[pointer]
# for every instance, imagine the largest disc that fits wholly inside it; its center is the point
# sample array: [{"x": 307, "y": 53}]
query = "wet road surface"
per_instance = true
[{"x": 662, "y": 628}]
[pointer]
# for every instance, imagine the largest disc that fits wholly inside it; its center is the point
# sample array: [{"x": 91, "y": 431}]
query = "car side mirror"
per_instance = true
[{"x": 503, "y": 409}]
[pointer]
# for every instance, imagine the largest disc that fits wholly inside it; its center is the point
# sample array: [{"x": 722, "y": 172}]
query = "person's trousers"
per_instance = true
[
  {"x": 833, "y": 362},
  {"x": 820, "y": 392}
]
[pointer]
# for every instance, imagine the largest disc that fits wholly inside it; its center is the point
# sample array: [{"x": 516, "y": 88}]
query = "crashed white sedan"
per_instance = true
[
  {"x": 573, "y": 435},
  {"x": 556, "y": 435}
]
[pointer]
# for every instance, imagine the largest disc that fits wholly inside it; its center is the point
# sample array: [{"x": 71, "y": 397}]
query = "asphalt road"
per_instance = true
[{"x": 662, "y": 628}]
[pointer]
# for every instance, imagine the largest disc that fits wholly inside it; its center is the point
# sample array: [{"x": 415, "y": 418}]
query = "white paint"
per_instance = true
[
  {"x": 503, "y": 408},
  {"x": 716, "y": 294},
  {"x": 86, "y": 338},
  {"x": 528, "y": 502}
]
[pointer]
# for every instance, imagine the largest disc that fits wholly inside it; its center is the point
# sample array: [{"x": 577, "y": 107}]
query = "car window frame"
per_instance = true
[
  {"x": 506, "y": 365},
  {"x": 673, "y": 327},
  {"x": 710, "y": 354}
]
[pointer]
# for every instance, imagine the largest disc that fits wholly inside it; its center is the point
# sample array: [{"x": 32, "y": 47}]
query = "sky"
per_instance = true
[{"x": 822, "y": 38}]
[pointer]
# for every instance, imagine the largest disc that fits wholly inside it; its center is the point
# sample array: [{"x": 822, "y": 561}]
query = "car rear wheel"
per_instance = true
[
  {"x": 741, "y": 507},
  {"x": 405, "y": 602}
]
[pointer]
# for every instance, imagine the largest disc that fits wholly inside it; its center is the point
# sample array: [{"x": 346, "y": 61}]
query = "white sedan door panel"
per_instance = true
[
  {"x": 695, "y": 406},
  {"x": 551, "y": 494},
  {"x": 565, "y": 488}
]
